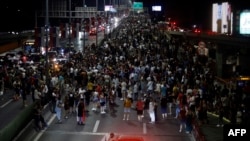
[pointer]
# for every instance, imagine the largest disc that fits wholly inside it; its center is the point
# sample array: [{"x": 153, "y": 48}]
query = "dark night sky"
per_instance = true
[{"x": 19, "y": 14}]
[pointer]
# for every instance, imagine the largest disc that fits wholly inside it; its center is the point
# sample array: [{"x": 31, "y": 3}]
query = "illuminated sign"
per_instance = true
[
  {"x": 156, "y": 8},
  {"x": 138, "y": 6},
  {"x": 108, "y": 8},
  {"x": 222, "y": 18},
  {"x": 245, "y": 22}
]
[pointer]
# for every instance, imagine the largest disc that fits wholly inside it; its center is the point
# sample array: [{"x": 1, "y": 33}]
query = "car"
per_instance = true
[
  {"x": 35, "y": 58},
  {"x": 61, "y": 59}
]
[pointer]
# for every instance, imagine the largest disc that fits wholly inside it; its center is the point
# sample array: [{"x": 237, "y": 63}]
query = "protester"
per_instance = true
[{"x": 139, "y": 109}]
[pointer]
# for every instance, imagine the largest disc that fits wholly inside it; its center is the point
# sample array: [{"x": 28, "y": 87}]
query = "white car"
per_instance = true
[{"x": 62, "y": 59}]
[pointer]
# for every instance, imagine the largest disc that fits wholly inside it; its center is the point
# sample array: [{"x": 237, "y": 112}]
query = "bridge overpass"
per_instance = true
[
  {"x": 219, "y": 39},
  {"x": 231, "y": 53}
]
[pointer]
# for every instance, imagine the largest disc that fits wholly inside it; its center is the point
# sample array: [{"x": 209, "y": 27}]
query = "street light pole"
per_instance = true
[
  {"x": 69, "y": 23},
  {"x": 46, "y": 42},
  {"x": 84, "y": 24},
  {"x": 96, "y": 23}
]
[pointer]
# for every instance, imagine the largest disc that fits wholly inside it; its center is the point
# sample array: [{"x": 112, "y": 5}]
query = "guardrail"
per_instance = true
[
  {"x": 197, "y": 133},
  {"x": 9, "y": 132}
]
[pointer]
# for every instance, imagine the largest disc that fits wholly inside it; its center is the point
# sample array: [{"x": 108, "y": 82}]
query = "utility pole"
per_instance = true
[
  {"x": 69, "y": 24},
  {"x": 84, "y": 26},
  {"x": 96, "y": 23},
  {"x": 46, "y": 42}
]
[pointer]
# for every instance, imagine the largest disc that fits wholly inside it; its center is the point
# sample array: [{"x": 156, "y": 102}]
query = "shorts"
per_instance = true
[
  {"x": 126, "y": 110},
  {"x": 139, "y": 112},
  {"x": 102, "y": 103},
  {"x": 163, "y": 110}
]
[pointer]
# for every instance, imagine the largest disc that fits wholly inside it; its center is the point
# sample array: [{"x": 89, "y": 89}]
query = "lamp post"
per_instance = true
[
  {"x": 84, "y": 24},
  {"x": 46, "y": 42},
  {"x": 96, "y": 23},
  {"x": 69, "y": 35}
]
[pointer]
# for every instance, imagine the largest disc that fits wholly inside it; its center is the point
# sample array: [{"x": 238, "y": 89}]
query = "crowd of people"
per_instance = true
[{"x": 145, "y": 68}]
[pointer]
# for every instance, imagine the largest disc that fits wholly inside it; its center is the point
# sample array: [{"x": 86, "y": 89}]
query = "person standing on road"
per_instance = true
[
  {"x": 23, "y": 88},
  {"x": 164, "y": 103},
  {"x": 66, "y": 106},
  {"x": 71, "y": 102},
  {"x": 58, "y": 109},
  {"x": 95, "y": 101},
  {"x": 151, "y": 110},
  {"x": 38, "y": 117},
  {"x": 102, "y": 103},
  {"x": 123, "y": 89},
  {"x": 140, "y": 108},
  {"x": 182, "y": 117},
  {"x": 80, "y": 113},
  {"x": 17, "y": 87},
  {"x": 37, "y": 95},
  {"x": 127, "y": 108},
  {"x": 53, "y": 100},
  {"x": 189, "y": 121}
]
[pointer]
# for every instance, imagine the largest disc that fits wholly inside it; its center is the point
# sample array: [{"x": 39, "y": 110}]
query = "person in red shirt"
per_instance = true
[
  {"x": 182, "y": 118},
  {"x": 139, "y": 108},
  {"x": 178, "y": 104}
]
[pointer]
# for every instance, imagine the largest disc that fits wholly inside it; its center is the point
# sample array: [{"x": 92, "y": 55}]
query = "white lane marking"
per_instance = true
[
  {"x": 144, "y": 128},
  {"x": 76, "y": 133},
  {"x": 105, "y": 137},
  {"x": 38, "y": 136},
  {"x": 96, "y": 126},
  {"x": 6, "y": 103}
]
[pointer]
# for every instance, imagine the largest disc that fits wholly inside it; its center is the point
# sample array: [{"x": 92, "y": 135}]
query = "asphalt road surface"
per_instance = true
[{"x": 98, "y": 125}]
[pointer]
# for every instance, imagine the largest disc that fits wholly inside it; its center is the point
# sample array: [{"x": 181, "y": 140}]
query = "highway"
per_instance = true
[
  {"x": 97, "y": 125},
  {"x": 10, "y": 108}
]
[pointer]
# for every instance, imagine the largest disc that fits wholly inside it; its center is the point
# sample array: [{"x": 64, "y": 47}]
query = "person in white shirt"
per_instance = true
[
  {"x": 81, "y": 92},
  {"x": 54, "y": 81},
  {"x": 37, "y": 95},
  {"x": 95, "y": 100},
  {"x": 150, "y": 87},
  {"x": 124, "y": 88},
  {"x": 151, "y": 111},
  {"x": 136, "y": 91}
]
